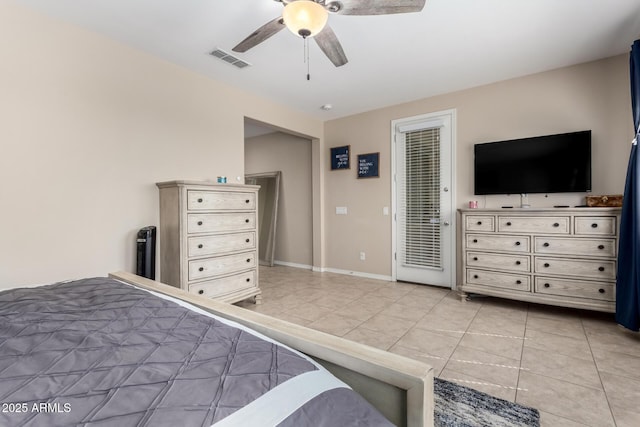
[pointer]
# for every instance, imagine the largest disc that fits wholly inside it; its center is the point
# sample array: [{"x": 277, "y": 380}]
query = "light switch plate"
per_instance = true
[{"x": 341, "y": 210}]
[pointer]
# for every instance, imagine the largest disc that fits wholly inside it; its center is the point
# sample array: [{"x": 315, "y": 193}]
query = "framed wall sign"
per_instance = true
[
  {"x": 368, "y": 165},
  {"x": 340, "y": 157}
]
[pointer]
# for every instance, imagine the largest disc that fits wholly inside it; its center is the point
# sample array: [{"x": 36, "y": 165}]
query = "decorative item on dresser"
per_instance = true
[
  {"x": 209, "y": 239},
  {"x": 564, "y": 257}
]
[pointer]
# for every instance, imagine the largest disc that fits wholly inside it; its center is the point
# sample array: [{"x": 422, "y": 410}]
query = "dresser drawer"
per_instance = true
[
  {"x": 220, "y": 200},
  {"x": 575, "y": 246},
  {"x": 597, "y": 269},
  {"x": 224, "y": 285},
  {"x": 519, "y": 263},
  {"x": 575, "y": 288},
  {"x": 220, "y": 222},
  {"x": 480, "y": 223},
  {"x": 528, "y": 224},
  {"x": 601, "y": 226},
  {"x": 222, "y": 265},
  {"x": 498, "y": 242},
  {"x": 499, "y": 280},
  {"x": 220, "y": 243}
]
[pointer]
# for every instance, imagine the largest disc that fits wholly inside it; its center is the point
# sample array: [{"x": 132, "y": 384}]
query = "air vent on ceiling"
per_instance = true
[{"x": 227, "y": 57}]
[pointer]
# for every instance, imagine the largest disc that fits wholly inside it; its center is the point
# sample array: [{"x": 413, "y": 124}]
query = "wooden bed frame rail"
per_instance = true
[{"x": 399, "y": 387}]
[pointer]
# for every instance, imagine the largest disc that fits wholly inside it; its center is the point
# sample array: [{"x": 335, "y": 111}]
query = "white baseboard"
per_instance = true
[
  {"x": 335, "y": 270},
  {"x": 295, "y": 265},
  {"x": 359, "y": 274}
]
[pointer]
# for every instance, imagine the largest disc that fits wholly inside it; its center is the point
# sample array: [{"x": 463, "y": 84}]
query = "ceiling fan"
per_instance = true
[{"x": 308, "y": 18}]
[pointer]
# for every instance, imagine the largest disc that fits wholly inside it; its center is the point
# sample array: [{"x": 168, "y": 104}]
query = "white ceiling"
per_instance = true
[{"x": 450, "y": 45}]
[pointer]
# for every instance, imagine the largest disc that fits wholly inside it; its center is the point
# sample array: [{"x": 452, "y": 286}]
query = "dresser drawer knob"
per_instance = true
[
  {"x": 475, "y": 258},
  {"x": 518, "y": 282},
  {"x": 201, "y": 269},
  {"x": 479, "y": 222},
  {"x": 555, "y": 224},
  {"x": 601, "y": 247},
  {"x": 475, "y": 240},
  {"x": 248, "y": 280},
  {"x": 546, "y": 264},
  {"x": 508, "y": 223},
  {"x": 518, "y": 263},
  {"x": 546, "y": 285},
  {"x": 248, "y": 259},
  {"x": 199, "y": 200},
  {"x": 247, "y": 240},
  {"x": 517, "y": 243},
  {"x": 246, "y": 201},
  {"x": 475, "y": 276},
  {"x": 199, "y": 222},
  {"x": 594, "y": 225},
  {"x": 247, "y": 220},
  {"x": 600, "y": 268},
  {"x": 200, "y": 246},
  {"x": 601, "y": 290},
  {"x": 201, "y": 291},
  {"x": 545, "y": 244}
]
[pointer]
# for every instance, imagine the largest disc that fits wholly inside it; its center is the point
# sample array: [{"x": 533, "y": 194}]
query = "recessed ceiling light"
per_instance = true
[{"x": 326, "y": 107}]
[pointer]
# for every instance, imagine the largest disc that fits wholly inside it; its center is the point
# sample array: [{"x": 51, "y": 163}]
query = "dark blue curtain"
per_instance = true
[{"x": 628, "y": 281}]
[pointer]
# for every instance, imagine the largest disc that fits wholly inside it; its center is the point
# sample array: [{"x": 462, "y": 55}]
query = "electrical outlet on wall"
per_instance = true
[{"x": 362, "y": 256}]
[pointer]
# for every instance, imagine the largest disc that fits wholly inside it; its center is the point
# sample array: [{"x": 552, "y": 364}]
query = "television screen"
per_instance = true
[{"x": 544, "y": 164}]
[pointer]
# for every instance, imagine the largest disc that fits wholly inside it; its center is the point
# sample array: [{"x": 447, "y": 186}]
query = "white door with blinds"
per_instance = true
[{"x": 424, "y": 232}]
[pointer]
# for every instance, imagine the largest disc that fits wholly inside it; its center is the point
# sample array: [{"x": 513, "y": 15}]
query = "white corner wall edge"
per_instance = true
[{"x": 335, "y": 270}]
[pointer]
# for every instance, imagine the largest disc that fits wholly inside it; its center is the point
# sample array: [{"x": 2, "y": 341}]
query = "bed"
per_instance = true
[{"x": 126, "y": 350}]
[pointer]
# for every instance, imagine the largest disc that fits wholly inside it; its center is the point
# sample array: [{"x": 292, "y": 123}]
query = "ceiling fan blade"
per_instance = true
[
  {"x": 376, "y": 7},
  {"x": 260, "y": 35},
  {"x": 329, "y": 44}
]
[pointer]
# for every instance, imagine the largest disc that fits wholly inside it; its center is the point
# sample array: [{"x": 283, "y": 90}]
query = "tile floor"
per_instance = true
[{"x": 577, "y": 367}]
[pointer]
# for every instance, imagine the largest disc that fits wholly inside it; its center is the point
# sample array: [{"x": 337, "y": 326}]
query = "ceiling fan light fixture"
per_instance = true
[{"x": 305, "y": 18}]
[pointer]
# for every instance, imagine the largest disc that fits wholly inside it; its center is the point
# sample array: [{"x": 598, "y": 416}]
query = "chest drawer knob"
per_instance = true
[
  {"x": 601, "y": 290},
  {"x": 200, "y": 246},
  {"x": 509, "y": 223},
  {"x": 518, "y": 282},
  {"x": 517, "y": 243},
  {"x": 247, "y": 240},
  {"x": 594, "y": 225},
  {"x": 475, "y": 276},
  {"x": 479, "y": 222},
  {"x": 555, "y": 224},
  {"x": 475, "y": 240},
  {"x": 545, "y": 244},
  {"x": 600, "y": 268},
  {"x": 246, "y": 220},
  {"x": 201, "y": 291},
  {"x": 601, "y": 247},
  {"x": 199, "y": 222},
  {"x": 246, "y": 201},
  {"x": 199, "y": 200},
  {"x": 201, "y": 269},
  {"x": 248, "y": 259},
  {"x": 518, "y": 263},
  {"x": 546, "y": 264},
  {"x": 475, "y": 258},
  {"x": 546, "y": 285},
  {"x": 248, "y": 280}
]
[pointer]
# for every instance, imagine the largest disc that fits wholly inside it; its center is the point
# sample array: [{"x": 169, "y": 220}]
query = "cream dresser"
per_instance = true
[
  {"x": 209, "y": 239},
  {"x": 557, "y": 256}
]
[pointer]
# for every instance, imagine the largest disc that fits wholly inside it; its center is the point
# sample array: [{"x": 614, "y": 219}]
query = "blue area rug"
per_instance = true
[{"x": 459, "y": 406}]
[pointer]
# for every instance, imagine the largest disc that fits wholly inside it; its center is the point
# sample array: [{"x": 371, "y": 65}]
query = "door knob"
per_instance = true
[{"x": 446, "y": 223}]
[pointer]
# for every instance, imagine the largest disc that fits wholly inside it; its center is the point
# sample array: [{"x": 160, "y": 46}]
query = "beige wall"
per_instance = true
[
  {"x": 292, "y": 155},
  {"x": 87, "y": 128},
  {"x": 589, "y": 96}
]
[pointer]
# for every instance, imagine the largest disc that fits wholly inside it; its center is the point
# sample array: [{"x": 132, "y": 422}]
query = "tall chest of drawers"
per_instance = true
[
  {"x": 209, "y": 239},
  {"x": 565, "y": 257}
]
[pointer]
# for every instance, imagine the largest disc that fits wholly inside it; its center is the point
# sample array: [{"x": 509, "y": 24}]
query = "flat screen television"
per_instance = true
[{"x": 544, "y": 164}]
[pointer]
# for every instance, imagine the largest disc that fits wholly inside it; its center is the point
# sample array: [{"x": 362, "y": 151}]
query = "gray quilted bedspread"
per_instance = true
[{"x": 98, "y": 352}]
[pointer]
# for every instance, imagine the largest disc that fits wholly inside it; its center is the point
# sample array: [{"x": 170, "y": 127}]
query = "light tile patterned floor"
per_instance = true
[{"x": 577, "y": 367}]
